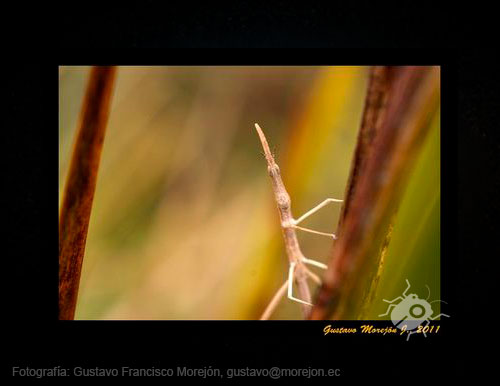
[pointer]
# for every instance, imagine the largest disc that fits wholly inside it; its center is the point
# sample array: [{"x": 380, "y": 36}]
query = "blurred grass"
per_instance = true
[
  {"x": 184, "y": 225},
  {"x": 414, "y": 250}
]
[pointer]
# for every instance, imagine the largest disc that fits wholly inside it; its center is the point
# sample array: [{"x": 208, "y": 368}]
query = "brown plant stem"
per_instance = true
[
  {"x": 412, "y": 101},
  {"x": 375, "y": 107},
  {"x": 80, "y": 186},
  {"x": 373, "y": 115}
]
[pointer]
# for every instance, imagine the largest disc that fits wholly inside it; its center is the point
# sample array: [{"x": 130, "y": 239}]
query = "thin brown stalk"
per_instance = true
[
  {"x": 412, "y": 101},
  {"x": 283, "y": 203},
  {"x": 80, "y": 186},
  {"x": 373, "y": 115},
  {"x": 379, "y": 85}
]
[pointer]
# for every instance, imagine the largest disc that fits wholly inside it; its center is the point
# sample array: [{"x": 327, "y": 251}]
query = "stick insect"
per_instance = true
[{"x": 298, "y": 272}]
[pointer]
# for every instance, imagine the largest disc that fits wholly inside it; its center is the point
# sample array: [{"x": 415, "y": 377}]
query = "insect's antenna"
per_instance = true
[
  {"x": 442, "y": 301},
  {"x": 428, "y": 289}
]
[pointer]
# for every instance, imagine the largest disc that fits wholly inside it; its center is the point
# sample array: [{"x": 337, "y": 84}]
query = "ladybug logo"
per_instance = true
[{"x": 408, "y": 311}]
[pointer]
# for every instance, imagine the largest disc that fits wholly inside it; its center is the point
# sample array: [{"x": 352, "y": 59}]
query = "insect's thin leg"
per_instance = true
[
  {"x": 315, "y": 263},
  {"x": 291, "y": 271},
  {"x": 393, "y": 300},
  {"x": 388, "y": 310},
  {"x": 426, "y": 324},
  {"x": 437, "y": 316},
  {"x": 313, "y": 276},
  {"x": 416, "y": 330},
  {"x": 410, "y": 333},
  {"x": 274, "y": 302},
  {"x": 407, "y": 288},
  {"x": 332, "y": 235},
  {"x": 315, "y": 209}
]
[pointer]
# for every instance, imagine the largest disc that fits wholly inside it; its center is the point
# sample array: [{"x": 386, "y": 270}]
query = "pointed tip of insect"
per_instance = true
[
  {"x": 265, "y": 145},
  {"x": 259, "y": 130}
]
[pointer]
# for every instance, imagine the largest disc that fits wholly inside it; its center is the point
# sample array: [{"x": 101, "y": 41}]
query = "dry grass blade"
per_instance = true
[
  {"x": 80, "y": 186},
  {"x": 412, "y": 99},
  {"x": 374, "y": 111},
  {"x": 373, "y": 115}
]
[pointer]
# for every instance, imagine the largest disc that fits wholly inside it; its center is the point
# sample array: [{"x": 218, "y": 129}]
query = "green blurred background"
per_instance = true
[{"x": 184, "y": 225}]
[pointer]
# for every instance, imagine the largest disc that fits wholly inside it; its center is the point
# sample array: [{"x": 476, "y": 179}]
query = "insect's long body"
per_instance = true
[
  {"x": 298, "y": 272},
  {"x": 284, "y": 208},
  {"x": 293, "y": 251},
  {"x": 292, "y": 246}
]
